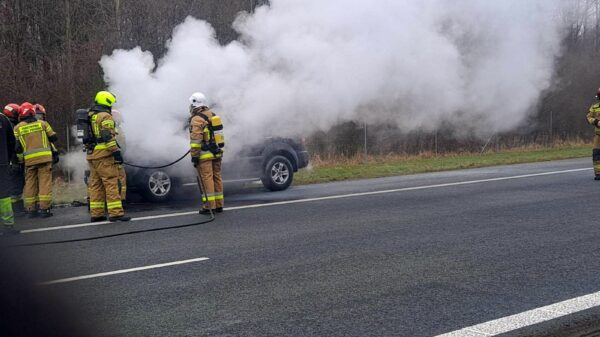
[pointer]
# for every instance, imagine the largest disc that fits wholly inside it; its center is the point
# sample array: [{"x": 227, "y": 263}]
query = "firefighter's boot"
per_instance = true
[{"x": 45, "y": 213}]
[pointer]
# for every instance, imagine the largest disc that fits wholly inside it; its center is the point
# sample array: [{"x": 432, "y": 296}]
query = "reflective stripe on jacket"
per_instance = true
[
  {"x": 102, "y": 121},
  {"x": 33, "y": 138},
  {"x": 593, "y": 116},
  {"x": 200, "y": 135}
]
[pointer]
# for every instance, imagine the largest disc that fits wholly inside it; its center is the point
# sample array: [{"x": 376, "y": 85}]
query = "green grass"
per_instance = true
[{"x": 385, "y": 166}]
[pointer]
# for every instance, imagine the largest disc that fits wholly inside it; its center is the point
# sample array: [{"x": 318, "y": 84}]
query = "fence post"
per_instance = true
[
  {"x": 68, "y": 133},
  {"x": 551, "y": 128},
  {"x": 365, "y": 145},
  {"x": 435, "y": 141}
]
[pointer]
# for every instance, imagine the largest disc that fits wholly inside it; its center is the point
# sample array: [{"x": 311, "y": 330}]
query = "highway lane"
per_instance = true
[{"x": 410, "y": 263}]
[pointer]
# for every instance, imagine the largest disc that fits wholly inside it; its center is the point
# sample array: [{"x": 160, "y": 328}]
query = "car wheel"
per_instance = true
[
  {"x": 156, "y": 186},
  {"x": 278, "y": 174}
]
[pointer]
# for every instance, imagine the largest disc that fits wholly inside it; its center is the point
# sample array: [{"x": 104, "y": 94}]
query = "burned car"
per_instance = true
[{"x": 273, "y": 162}]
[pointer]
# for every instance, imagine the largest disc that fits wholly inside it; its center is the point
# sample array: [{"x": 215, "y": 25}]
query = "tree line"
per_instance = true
[{"x": 51, "y": 48}]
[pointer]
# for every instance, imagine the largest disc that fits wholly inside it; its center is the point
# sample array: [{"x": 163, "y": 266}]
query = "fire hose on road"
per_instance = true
[{"x": 202, "y": 190}]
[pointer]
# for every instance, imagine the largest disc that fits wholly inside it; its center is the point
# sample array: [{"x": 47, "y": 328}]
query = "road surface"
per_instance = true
[{"x": 421, "y": 255}]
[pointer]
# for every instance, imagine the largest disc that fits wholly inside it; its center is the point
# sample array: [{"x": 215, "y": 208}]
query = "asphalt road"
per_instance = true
[{"x": 427, "y": 257}]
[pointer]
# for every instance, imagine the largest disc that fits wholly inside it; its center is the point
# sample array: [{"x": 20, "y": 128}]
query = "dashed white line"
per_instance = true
[
  {"x": 333, "y": 197},
  {"x": 123, "y": 271},
  {"x": 528, "y": 318}
]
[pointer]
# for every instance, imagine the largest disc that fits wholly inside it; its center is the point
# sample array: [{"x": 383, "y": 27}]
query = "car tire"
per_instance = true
[
  {"x": 156, "y": 186},
  {"x": 278, "y": 174}
]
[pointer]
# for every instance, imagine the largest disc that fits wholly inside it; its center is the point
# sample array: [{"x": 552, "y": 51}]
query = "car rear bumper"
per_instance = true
[{"x": 303, "y": 159}]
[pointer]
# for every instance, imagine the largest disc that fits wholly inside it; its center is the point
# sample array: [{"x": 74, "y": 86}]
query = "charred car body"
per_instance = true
[{"x": 273, "y": 162}]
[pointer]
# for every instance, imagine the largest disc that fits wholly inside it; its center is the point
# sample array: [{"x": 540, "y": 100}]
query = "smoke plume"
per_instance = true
[{"x": 306, "y": 65}]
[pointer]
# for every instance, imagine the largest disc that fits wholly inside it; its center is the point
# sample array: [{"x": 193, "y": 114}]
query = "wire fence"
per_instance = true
[{"x": 356, "y": 139}]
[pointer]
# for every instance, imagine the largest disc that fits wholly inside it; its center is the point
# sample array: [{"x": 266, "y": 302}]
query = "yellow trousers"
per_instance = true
[
  {"x": 38, "y": 187},
  {"x": 596, "y": 154},
  {"x": 103, "y": 188},
  {"x": 6, "y": 213},
  {"x": 122, "y": 183},
  {"x": 209, "y": 172}
]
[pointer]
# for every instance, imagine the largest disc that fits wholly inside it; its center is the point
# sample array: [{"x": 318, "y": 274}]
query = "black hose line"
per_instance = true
[
  {"x": 93, "y": 238},
  {"x": 158, "y": 167}
]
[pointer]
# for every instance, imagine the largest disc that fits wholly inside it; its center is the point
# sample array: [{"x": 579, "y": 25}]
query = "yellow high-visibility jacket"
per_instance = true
[
  {"x": 200, "y": 135},
  {"x": 593, "y": 116},
  {"x": 103, "y": 128},
  {"x": 35, "y": 142}
]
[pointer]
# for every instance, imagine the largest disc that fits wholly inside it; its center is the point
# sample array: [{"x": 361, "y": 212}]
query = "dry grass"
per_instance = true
[
  {"x": 65, "y": 192},
  {"x": 358, "y": 167},
  {"x": 359, "y": 159}
]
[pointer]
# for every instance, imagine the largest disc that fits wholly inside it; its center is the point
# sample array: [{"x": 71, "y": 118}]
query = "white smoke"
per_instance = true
[{"x": 306, "y": 65}]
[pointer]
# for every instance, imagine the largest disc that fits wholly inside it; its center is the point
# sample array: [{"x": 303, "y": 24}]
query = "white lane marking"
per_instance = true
[
  {"x": 342, "y": 196},
  {"x": 123, "y": 271},
  {"x": 161, "y": 216},
  {"x": 528, "y": 318}
]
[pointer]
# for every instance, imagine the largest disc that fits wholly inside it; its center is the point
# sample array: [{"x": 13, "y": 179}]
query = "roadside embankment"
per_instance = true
[{"x": 338, "y": 169}]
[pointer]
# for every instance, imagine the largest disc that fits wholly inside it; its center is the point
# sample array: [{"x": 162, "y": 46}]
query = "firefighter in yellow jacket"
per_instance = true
[
  {"x": 593, "y": 118},
  {"x": 104, "y": 158},
  {"x": 206, "y": 142},
  {"x": 35, "y": 143},
  {"x": 40, "y": 114}
]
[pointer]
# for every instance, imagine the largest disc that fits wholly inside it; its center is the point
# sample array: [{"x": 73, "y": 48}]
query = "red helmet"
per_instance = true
[
  {"x": 40, "y": 109},
  {"x": 26, "y": 110},
  {"x": 11, "y": 111}
]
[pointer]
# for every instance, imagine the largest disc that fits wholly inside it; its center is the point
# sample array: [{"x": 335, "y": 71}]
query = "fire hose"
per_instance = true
[
  {"x": 158, "y": 167},
  {"x": 93, "y": 238}
]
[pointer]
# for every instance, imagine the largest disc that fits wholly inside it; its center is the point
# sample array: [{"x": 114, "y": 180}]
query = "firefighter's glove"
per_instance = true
[
  {"x": 195, "y": 161},
  {"x": 55, "y": 157},
  {"x": 118, "y": 157},
  {"x": 204, "y": 147},
  {"x": 214, "y": 148}
]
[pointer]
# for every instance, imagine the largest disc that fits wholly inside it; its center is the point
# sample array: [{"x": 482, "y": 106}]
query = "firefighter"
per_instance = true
[
  {"x": 40, "y": 114},
  {"x": 7, "y": 152},
  {"x": 104, "y": 158},
  {"x": 12, "y": 112},
  {"x": 593, "y": 118},
  {"x": 120, "y": 136},
  {"x": 35, "y": 140},
  {"x": 206, "y": 153},
  {"x": 17, "y": 172}
]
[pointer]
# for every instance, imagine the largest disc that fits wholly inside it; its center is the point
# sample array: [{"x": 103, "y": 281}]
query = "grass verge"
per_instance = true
[
  {"x": 65, "y": 193},
  {"x": 339, "y": 169}
]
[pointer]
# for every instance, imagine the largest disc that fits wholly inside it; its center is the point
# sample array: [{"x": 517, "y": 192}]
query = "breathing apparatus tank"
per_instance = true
[
  {"x": 217, "y": 128},
  {"x": 84, "y": 129}
]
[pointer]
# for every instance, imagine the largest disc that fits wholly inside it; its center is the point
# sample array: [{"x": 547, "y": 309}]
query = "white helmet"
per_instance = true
[{"x": 198, "y": 100}]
